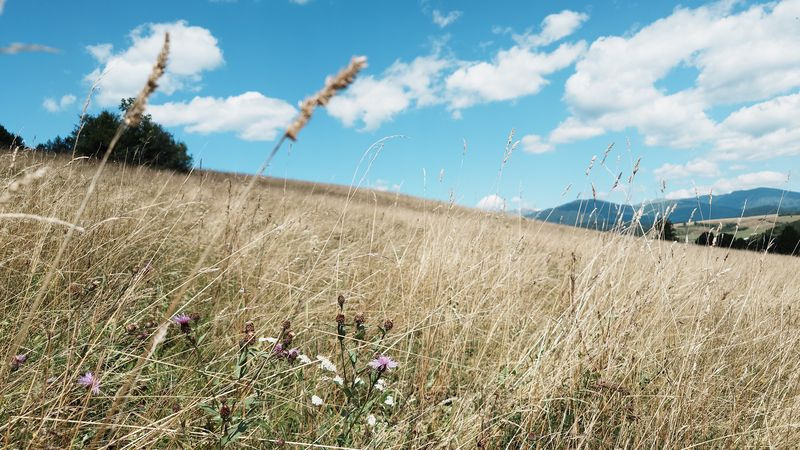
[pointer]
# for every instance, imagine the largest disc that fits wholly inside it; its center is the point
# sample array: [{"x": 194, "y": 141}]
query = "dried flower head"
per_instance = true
[
  {"x": 288, "y": 337},
  {"x": 224, "y": 411},
  {"x": 340, "y": 301},
  {"x": 90, "y": 381},
  {"x": 286, "y": 324},
  {"x": 134, "y": 113},
  {"x": 249, "y": 334},
  {"x": 340, "y": 319},
  {"x": 359, "y": 319},
  {"x": 388, "y": 325},
  {"x": 332, "y": 85},
  {"x": 382, "y": 363}
]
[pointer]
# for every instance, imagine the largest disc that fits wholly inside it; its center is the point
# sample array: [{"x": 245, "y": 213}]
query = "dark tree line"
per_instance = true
[
  {"x": 785, "y": 241},
  {"x": 148, "y": 143},
  {"x": 9, "y": 140}
]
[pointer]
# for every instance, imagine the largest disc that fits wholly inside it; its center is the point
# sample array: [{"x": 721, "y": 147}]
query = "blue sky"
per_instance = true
[{"x": 707, "y": 94}]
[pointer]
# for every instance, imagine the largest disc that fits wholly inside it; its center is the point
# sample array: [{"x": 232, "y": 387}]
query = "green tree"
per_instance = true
[
  {"x": 9, "y": 140},
  {"x": 787, "y": 241},
  {"x": 148, "y": 143},
  {"x": 665, "y": 230}
]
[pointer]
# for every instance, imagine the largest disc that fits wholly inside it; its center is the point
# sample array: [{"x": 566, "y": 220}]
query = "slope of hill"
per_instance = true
[
  {"x": 602, "y": 214},
  {"x": 161, "y": 324}
]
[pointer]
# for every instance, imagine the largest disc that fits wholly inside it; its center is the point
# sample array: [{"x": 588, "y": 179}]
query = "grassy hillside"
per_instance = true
[{"x": 507, "y": 333}]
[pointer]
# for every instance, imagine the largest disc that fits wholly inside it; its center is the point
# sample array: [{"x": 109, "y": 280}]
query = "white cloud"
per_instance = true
[
  {"x": 19, "y": 47},
  {"x": 533, "y": 143},
  {"x": 492, "y": 202},
  {"x": 100, "y": 52},
  {"x": 2, "y": 4},
  {"x": 373, "y": 101},
  {"x": 513, "y": 73},
  {"x": 698, "y": 166},
  {"x": 726, "y": 185},
  {"x": 385, "y": 186},
  {"x": 444, "y": 20},
  {"x": 251, "y": 115},
  {"x": 554, "y": 28},
  {"x": 519, "y": 70},
  {"x": 764, "y": 130},
  {"x": 63, "y": 103},
  {"x": 615, "y": 85},
  {"x": 574, "y": 130},
  {"x": 193, "y": 50}
]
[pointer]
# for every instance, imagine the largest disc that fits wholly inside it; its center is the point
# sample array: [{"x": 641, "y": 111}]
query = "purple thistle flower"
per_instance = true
[
  {"x": 279, "y": 351},
  {"x": 90, "y": 381},
  {"x": 183, "y": 320},
  {"x": 292, "y": 355},
  {"x": 18, "y": 360},
  {"x": 382, "y": 363}
]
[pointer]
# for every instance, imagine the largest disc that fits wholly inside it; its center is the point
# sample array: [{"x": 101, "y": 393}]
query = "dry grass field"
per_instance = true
[{"x": 506, "y": 333}]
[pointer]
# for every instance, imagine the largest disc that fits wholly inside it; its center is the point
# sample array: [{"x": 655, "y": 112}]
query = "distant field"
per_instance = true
[
  {"x": 742, "y": 227},
  {"x": 506, "y": 333}
]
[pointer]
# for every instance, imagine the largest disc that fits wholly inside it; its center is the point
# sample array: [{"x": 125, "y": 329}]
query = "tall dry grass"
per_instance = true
[
  {"x": 209, "y": 310},
  {"x": 508, "y": 333}
]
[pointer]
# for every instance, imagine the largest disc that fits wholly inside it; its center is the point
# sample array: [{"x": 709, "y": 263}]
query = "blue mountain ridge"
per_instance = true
[{"x": 601, "y": 214}]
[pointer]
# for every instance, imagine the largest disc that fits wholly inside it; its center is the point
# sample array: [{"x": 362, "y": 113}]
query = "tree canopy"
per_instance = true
[
  {"x": 9, "y": 140},
  {"x": 148, "y": 143}
]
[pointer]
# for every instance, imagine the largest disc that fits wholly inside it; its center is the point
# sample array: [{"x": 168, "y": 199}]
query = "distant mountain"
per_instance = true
[{"x": 603, "y": 215}]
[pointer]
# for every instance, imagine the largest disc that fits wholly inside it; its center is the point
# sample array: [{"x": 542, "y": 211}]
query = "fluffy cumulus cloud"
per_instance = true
[
  {"x": 492, "y": 202},
  {"x": 696, "y": 167},
  {"x": 520, "y": 70},
  {"x": 443, "y": 20},
  {"x": 56, "y": 105},
  {"x": 251, "y": 115},
  {"x": 533, "y": 143},
  {"x": 436, "y": 79},
  {"x": 766, "y": 129},
  {"x": 617, "y": 84},
  {"x": 554, "y": 28},
  {"x": 513, "y": 73},
  {"x": 726, "y": 185},
  {"x": 193, "y": 50},
  {"x": 371, "y": 100}
]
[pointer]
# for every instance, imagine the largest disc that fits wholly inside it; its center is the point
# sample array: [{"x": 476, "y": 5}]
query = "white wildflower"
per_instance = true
[
  {"x": 326, "y": 364},
  {"x": 389, "y": 400},
  {"x": 338, "y": 380},
  {"x": 371, "y": 420},
  {"x": 380, "y": 385},
  {"x": 271, "y": 340},
  {"x": 316, "y": 401},
  {"x": 304, "y": 359}
]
